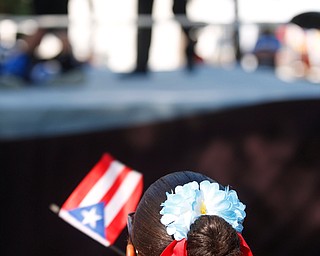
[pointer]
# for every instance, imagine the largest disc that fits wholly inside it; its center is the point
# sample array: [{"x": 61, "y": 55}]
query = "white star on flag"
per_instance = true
[{"x": 90, "y": 217}]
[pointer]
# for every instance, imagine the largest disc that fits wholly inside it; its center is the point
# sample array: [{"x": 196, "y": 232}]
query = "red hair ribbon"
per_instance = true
[
  {"x": 176, "y": 248},
  {"x": 179, "y": 248},
  {"x": 245, "y": 249}
]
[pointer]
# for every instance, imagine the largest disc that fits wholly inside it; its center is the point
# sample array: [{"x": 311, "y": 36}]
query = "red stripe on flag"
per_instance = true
[
  {"x": 120, "y": 221},
  {"x": 88, "y": 182},
  {"x": 113, "y": 189}
]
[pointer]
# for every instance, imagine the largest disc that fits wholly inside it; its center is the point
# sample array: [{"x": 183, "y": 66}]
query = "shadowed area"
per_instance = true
[{"x": 268, "y": 153}]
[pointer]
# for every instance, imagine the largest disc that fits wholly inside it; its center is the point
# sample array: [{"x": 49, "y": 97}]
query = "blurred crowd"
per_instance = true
[
  {"x": 292, "y": 50},
  {"x": 24, "y": 63},
  {"x": 26, "y": 57}
]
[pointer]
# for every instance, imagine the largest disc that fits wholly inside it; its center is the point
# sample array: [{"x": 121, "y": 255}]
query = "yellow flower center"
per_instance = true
[{"x": 203, "y": 208}]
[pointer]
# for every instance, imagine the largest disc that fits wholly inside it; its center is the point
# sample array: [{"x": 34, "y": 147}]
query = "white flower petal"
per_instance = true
[
  {"x": 171, "y": 229},
  {"x": 167, "y": 219}
]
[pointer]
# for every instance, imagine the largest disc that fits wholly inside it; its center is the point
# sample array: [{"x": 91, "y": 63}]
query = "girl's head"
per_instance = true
[{"x": 207, "y": 235}]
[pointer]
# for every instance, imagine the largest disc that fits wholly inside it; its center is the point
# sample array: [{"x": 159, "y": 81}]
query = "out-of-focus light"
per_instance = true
[
  {"x": 291, "y": 71},
  {"x": 285, "y": 73},
  {"x": 50, "y": 46},
  {"x": 79, "y": 11},
  {"x": 211, "y": 11},
  {"x": 167, "y": 49},
  {"x": 273, "y": 10},
  {"x": 121, "y": 54},
  {"x": 314, "y": 75},
  {"x": 299, "y": 68},
  {"x": 8, "y": 31},
  {"x": 249, "y": 62},
  {"x": 208, "y": 43},
  {"x": 80, "y": 29},
  {"x": 29, "y": 27},
  {"x": 249, "y": 34},
  {"x": 295, "y": 38},
  {"x": 313, "y": 46}
]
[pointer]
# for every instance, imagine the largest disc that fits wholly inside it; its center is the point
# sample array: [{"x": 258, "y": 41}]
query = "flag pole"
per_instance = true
[
  {"x": 117, "y": 250},
  {"x": 55, "y": 209}
]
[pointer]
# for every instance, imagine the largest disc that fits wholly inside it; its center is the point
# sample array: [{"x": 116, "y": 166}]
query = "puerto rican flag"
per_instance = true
[{"x": 100, "y": 204}]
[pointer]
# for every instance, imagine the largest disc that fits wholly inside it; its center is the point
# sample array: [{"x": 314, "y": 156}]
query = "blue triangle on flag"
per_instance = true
[{"x": 92, "y": 217}]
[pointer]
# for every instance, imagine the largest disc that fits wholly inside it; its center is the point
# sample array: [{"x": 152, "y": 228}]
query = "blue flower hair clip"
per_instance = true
[{"x": 190, "y": 201}]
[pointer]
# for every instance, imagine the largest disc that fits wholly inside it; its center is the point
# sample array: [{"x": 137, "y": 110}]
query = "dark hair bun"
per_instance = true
[{"x": 211, "y": 235}]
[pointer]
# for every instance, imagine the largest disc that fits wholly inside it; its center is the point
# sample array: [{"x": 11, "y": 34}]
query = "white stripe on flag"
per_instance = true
[
  {"x": 122, "y": 195},
  {"x": 103, "y": 184}
]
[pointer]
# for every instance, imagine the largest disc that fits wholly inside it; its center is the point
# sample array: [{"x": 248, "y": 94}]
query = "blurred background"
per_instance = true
[{"x": 235, "y": 94}]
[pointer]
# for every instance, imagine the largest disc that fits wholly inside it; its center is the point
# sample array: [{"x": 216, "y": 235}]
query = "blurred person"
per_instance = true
[
  {"x": 266, "y": 48},
  {"x": 307, "y": 20},
  {"x": 187, "y": 213},
  {"x": 144, "y": 36},
  {"x": 65, "y": 60},
  {"x": 299, "y": 54},
  {"x": 27, "y": 64},
  {"x": 310, "y": 23}
]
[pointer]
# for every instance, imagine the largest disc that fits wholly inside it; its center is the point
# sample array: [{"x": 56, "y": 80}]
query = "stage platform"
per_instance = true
[{"x": 104, "y": 100}]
